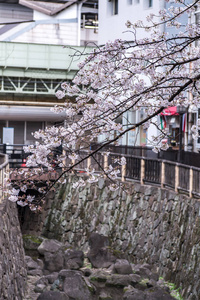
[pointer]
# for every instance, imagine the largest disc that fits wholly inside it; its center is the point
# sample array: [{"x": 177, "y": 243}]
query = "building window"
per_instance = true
[
  {"x": 136, "y": 1},
  {"x": 113, "y": 7},
  {"x": 130, "y": 2},
  {"x": 150, "y": 3}
]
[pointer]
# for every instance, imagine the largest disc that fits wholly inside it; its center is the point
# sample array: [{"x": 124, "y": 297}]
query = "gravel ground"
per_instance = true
[{"x": 31, "y": 295}]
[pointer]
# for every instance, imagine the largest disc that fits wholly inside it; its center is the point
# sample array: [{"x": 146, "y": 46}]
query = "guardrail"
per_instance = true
[{"x": 4, "y": 167}]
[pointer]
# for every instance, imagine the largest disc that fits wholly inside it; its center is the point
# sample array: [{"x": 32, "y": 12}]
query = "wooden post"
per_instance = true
[
  {"x": 73, "y": 162},
  {"x": 123, "y": 170},
  {"x": 191, "y": 182},
  {"x": 142, "y": 171},
  {"x": 64, "y": 153},
  {"x": 105, "y": 163},
  {"x": 176, "y": 178},
  {"x": 88, "y": 163},
  {"x": 162, "y": 174}
]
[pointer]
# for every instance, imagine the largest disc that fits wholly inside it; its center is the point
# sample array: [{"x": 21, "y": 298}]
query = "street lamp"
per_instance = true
[{"x": 181, "y": 110}]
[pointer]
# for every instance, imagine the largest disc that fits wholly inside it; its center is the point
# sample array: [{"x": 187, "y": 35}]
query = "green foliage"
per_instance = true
[{"x": 174, "y": 292}]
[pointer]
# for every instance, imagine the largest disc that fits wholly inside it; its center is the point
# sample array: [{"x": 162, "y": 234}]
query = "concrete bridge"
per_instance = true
[
  {"x": 27, "y": 69},
  {"x": 30, "y": 75}
]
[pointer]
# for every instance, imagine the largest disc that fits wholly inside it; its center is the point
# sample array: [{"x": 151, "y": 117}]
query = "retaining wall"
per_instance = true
[
  {"x": 13, "y": 273},
  {"x": 148, "y": 223}
]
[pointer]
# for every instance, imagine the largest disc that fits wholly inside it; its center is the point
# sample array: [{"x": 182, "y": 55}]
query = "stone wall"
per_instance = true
[
  {"x": 148, "y": 223},
  {"x": 12, "y": 263}
]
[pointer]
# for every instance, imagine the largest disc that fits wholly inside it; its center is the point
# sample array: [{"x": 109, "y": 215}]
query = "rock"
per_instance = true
[
  {"x": 51, "y": 246},
  {"x": 134, "y": 278},
  {"x": 35, "y": 272},
  {"x": 67, "y": 245},
  {"x": 105, "y": 296},
  {"x": 53, "y": 295},
  {"x": 100, "y": 255},
  {"x": 57, "y": 285},
  {"x": 119, "y": 280},
  {"x": 122, "y": 266},
  {"x": 52, "y": 277},
  {"x": 158, "y": 294},
  {"x": 74, "y": 285},
  {"x": 31, "y": 242},
  {"x": 53, "y": 262},
  {"x": 144, "y": 271},
  {"x": 154, "y": 293},
  {"x": 40, "y": 263},
  {"x": 134, "y": 294},
  {"x": 31, "y": 264},
  {"x": 97, "y": 241},
  {"x": 73, "y": 259},
  {"x": 99, "y": 275},
  {"x": 42, "y": 280},
  {"x": 39, "y": 288}
]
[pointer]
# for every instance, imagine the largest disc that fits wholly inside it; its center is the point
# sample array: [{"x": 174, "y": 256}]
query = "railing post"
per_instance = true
[
  {"x": 88, "y": 163},
  {"x": 191, "y": 182},
  {"x": 73, "y": 162},
  {"x": 162, "y": 174},
  {"x": 105, "y": 163},
  {"x": 123, "y": 170},
  {"x": 142, "y": 171},
  {"x": 64, "y": 153},
  {"x": 176, "y": 178}
]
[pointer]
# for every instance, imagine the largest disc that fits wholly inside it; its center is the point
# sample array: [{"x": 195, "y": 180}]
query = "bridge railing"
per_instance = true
[
  {"x": 4, "y": 167},
  {"x": 179, "y": 177},
  {"x": 15, "y": 154},
  {"x": 148, "y": 170}
]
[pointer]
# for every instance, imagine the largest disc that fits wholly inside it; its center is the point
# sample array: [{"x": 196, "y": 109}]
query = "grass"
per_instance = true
[{"x": 174, "y": 292}]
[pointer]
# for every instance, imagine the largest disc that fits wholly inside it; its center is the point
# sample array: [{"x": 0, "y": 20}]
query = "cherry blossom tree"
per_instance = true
[{"x": 152, "y": 73}]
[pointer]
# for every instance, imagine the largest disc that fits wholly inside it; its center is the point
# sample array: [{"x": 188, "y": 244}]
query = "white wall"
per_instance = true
[
  {"x": 111, "y": 27},
  {"x": 69, "y": 13}
]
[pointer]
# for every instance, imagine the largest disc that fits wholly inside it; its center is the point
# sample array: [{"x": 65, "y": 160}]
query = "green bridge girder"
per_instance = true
[{"x": 39, "y": 69}]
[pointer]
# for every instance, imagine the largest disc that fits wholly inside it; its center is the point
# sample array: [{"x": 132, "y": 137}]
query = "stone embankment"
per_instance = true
[
  {"x": 149, "y": 224},
  {"x": 13, "y": 273}
]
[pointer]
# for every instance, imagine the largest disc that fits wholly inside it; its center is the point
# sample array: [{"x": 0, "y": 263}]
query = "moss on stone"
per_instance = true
[
  {"x": 33, "y": 238},
  {"x": 98, "y": 279}
]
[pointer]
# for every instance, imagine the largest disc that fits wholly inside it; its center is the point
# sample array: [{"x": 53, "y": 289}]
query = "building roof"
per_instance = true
[{"x": 48, "y": 8}]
